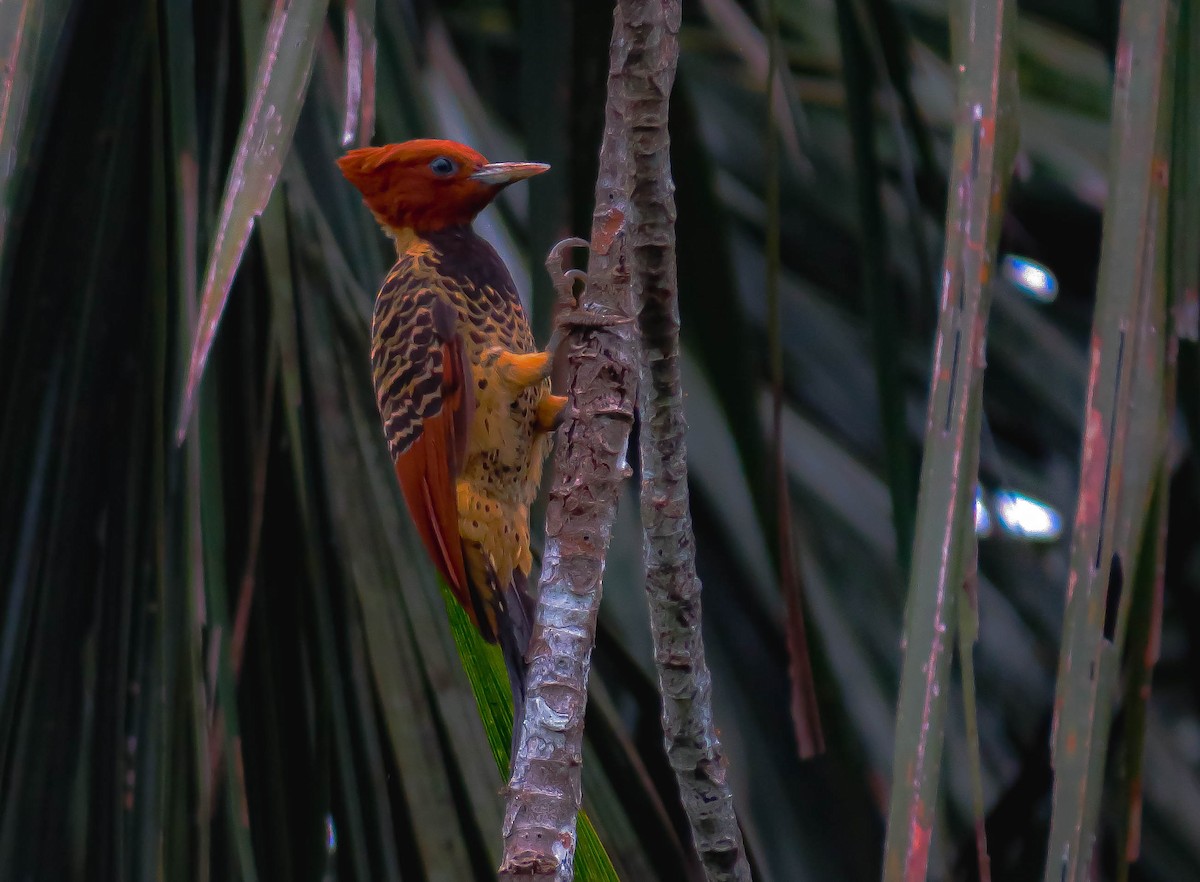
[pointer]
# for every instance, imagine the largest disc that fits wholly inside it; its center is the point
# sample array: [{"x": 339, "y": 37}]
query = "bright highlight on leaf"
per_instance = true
[
  {"x": 1024, "y": 517},
  {"x": 983, "y": 519},
  {"x": 1030, "y": 278},
  {"x": 330, "y": 836}
]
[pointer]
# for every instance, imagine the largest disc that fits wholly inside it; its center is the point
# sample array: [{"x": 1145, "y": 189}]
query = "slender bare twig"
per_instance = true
[
  {"x": 673, "y": 590},
  {"x": 806, "y": 715},
  {"x": 545, "y": 789}
]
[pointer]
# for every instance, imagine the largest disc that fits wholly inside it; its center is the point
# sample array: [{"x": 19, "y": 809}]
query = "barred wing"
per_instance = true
[{"x": 423, "y": 387}]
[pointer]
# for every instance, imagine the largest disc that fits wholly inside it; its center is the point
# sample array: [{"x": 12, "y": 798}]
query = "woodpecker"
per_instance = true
[{"x": 463, "y": 392}]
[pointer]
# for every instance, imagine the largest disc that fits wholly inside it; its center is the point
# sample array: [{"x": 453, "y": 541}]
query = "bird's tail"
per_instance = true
[
  {"x": 504, "y": 614},
  {"x": 515, "y": 632}
]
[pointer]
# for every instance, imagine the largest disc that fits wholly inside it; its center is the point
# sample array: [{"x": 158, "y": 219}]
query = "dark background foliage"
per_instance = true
[{"x": 229, "y": 659}]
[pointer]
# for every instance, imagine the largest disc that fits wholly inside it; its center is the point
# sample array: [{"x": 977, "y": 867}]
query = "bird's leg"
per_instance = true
[
  {"x": 521, "y": 370},
  {"x": 551, "y": 409},
  {"x": 568, "y": 315}
]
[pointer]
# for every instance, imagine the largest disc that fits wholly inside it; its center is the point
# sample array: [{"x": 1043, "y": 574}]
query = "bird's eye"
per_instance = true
[{"x": 443, "y": 166}]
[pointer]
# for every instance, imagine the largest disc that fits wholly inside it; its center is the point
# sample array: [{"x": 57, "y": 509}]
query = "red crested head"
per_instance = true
[{"x": 427, "y": 184}]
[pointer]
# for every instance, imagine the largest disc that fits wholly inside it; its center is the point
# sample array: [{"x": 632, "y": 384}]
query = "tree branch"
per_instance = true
[
  {"x": 545, "y": 789},
  {"x": 672, "y": 587}
]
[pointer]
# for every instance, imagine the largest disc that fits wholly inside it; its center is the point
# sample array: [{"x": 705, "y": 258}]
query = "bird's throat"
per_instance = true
[{"x": 404, "y": 237}]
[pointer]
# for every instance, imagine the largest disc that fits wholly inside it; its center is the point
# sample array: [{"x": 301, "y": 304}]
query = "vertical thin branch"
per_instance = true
[
  {"x": 944, "y": 543},
  {"x": 1182, "y": 270},
  {"x": 673, "y": 590},
  {"x": 806, "y": 715},
  {"x": 545, "y": 789},
  {"x": 1124, "y": 433}
]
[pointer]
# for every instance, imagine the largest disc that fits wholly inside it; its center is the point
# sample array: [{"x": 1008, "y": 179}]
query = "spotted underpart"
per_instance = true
[{"x": 505, "y": 449}]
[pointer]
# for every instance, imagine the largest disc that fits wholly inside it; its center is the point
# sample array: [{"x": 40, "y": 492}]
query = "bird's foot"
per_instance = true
[
  {"x": 564, "y": 280},
  {"x": 566, "y": 301},
  {"x": 568, "y": 315}
]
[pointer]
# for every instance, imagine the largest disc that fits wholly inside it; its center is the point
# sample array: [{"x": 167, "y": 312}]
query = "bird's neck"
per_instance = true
[
  {"x": 456, "y": 255},
  {"x": 408, "y": 238}
]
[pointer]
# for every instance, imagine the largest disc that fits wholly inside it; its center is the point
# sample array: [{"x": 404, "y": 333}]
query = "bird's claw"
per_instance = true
[
  {"x": 564, "y": 280},
  {"x": 569, "y": 316},
  {"x": 573, "y": 275},
  {"x": 564, "y": 287},
  {"x": 554, "y": 260}
]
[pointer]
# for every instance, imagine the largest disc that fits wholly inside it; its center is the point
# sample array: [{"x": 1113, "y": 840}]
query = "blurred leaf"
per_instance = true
[
  {"x": 359, "y": 123},
  {"x": 886, "y": 330},
  {"x": 30, "y": 35},
  {"x": 275, "y": 99}
]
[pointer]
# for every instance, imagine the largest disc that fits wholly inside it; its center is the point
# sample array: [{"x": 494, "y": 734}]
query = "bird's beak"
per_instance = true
[{"x": 501, "y": 174}]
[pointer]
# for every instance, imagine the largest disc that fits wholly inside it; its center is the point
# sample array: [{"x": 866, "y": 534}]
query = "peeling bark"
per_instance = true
[
  {"x": 672, "y": 587},
  {"x": 545, "y": 789}
]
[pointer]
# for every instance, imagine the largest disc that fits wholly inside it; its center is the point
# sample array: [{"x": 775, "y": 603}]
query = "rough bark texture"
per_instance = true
[
  {"x": 590, "y": 464},
  {"x": 673, "y": 590}
]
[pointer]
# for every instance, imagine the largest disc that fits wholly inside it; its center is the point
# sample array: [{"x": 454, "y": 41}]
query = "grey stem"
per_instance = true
[
  {"x": 672, "y": 588},
  {"x": 545, "y": 790}
]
